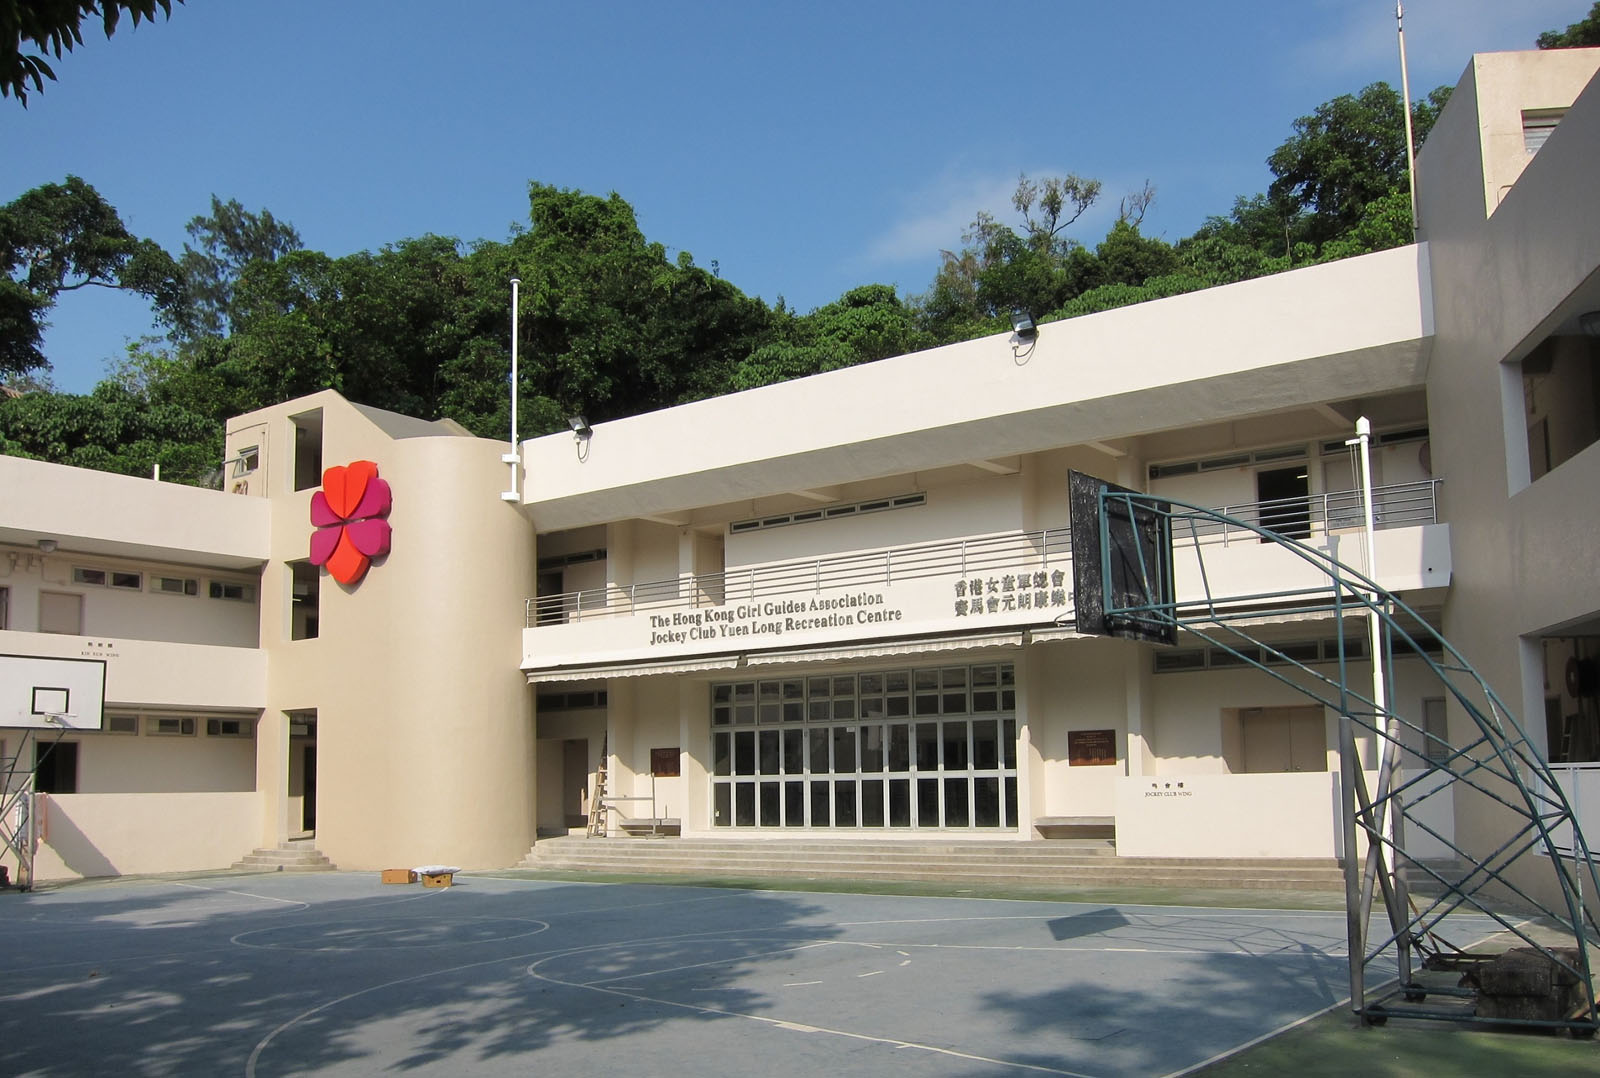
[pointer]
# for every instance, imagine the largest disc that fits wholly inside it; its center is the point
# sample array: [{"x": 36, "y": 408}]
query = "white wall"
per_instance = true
[{"x": 121, "y": 834}]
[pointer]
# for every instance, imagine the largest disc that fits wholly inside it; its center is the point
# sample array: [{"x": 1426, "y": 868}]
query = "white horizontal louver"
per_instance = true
[{"x": 1537, "y": 125}]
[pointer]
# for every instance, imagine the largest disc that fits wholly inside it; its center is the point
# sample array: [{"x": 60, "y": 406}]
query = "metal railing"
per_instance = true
[{"x": 1398, "y": 506}]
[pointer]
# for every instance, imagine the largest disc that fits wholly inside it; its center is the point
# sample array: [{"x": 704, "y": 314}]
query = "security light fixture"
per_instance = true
[
  {"x": 47, "y": 546},
  {"x": 580, "y": 426},
  {"x": 1023, "y": 326},
  {"x": 1589, "y": 322}
]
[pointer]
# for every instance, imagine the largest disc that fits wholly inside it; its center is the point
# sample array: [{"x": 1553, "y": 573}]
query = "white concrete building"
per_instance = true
[{"x": 842, "y": 604}]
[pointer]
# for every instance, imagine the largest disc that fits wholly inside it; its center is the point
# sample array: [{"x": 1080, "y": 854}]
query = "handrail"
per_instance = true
[{"x": 1397, "y": 505}]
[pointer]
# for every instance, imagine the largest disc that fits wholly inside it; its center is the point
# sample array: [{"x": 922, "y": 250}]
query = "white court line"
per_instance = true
[{"x": 243, "y": 894}]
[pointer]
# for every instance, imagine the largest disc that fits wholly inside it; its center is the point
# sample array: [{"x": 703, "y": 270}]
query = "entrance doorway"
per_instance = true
[
  {"x": 1284, "y": 494},
  {"x": 301, "y": 816}
]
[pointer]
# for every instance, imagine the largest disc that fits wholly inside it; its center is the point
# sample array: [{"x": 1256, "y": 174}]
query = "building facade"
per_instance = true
[{"x": 843, "y": 604}]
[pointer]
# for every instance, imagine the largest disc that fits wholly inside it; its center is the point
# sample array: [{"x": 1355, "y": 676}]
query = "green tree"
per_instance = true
[
  {"x": 62, "y": 237},
  {"x": 55, "y": 26},
  {"x": 1346, "y": 154},
  {"x": 1581, "y": 34},
  {"x": 865, "y": 324},
  {"x": 229, "y": 238}
]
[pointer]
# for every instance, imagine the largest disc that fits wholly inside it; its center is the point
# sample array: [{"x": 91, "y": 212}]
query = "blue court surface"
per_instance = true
[{"x": 340, "y": 974}]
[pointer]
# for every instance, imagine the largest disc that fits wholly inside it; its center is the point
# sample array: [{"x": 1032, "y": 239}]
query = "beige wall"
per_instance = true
[
  {"x": 120, "y": 834},
  {"x": 425, "y": 747}
]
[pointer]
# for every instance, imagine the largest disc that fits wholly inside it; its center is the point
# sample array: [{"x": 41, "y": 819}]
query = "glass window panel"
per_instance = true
[
  {"x": 844, "y": 803},
  {"x": 744, "y": 752},
  {"x": 872, "y": 748},
  {"x": 871, "y": 802},
  {"x": 844, "y": 686},
  {"x": 794, "y": 752},
  {"x": 794, "y": 690},
  {"x": 1011, "y": 801},
  {"x": 721, "y": 795},
  {"x": 927, "y": 679},
  {"x": 927, "y": 746},
  {"x": 955, "y": 803},
  {"x": 744, "y": 803},
  {"x": 794, "y": 804},
  {"x": 871, "y": 683},
  {"x": 898, "y": 707},
  {"x": 986, "y": 802},
  {"x": 985, "y": 700},
  {"x": 955, "y": 703},
  {"x": 928, "y": 704},
  {"x": 953, "y": 677},
  {"x": 744, "y": 714},
  {"x": 872, "y": 707},
  {"x": 984, "y": 677},
  {"x": 771, "y": 713},
  {"x": 721, "y": 716},
  {"x": 820, "y": 796},
  {"x": 844, "y": 749},
  {"x": 794, "y": 711},
  {"x": 817, "y": 686},
  {"x": 770, "y": 691},
  {"x": 819, "y": 710},
  {"x": 768, "y": 752},
  {"x": 819, "y": 751},
  {"x": 927, "y": 802},
  {"x": 1008, "y": 675},
  {"x": 955, "y": 746},
  {"x": 1008, "y": 742},
  {"x": 744, "y": 691},
  {"x": 721, "y": 754},
  {"x": 899, "y": 802},
  {"x": 985, "y": 744},
  {"x": 1008, "y": 700},
  {"x": 769, "y": 804},
  {"x": 898, "y": 681},
  {"x": 844, "y": 709},
  {"x": 721, "y": 694},
  {"x": 899, "y": 747}
]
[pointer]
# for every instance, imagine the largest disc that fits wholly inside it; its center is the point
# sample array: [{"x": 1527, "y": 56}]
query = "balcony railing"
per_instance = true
[{"x": 1399, "y": 506}]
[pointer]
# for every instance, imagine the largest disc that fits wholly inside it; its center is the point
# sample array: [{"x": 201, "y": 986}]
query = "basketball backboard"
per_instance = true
[
  {"x": 40, "y": 693},
  {"x": 1121, "y": 561}
]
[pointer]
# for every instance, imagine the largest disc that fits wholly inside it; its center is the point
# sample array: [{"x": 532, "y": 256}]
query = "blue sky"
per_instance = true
[{"x": 806, "y": 147}]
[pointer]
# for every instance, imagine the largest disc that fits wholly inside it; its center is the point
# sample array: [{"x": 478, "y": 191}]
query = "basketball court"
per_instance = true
[{"x": 339, "y": 974}]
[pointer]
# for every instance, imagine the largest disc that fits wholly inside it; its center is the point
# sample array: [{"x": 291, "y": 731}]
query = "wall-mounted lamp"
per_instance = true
[
  {"x": 1023, "y": 326},
  {"x": 580, "y": 426},
  {"x": 47, "y": 546},
  {"x": 1589, "y": 322}
]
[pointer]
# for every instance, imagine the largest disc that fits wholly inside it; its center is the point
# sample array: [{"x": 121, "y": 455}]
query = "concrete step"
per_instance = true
[
  {"x": 286, "y": 857},
  {"x": 1075, "y": 863}
]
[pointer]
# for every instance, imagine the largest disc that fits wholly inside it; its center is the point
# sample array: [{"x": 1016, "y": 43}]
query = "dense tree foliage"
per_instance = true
[
  {"x": 1581, "y": 34},
  {"x": 55, "y": 26},
  {"x": 610, "y": 325}
]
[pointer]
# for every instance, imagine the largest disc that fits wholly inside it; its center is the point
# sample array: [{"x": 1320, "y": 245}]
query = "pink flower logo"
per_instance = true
[{"x": 348, "y": 513}]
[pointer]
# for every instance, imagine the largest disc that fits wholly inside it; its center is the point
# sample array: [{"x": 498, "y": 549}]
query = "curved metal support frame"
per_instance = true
[{"x": 1500, "y": 763}]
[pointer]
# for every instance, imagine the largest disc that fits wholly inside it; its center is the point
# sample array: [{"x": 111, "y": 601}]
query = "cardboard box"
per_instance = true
[
  {"x": 399, "y": 875},
  {"x": 438, "y": 879}
]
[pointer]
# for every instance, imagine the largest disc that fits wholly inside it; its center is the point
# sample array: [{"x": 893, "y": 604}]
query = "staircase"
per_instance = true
[
  {"x": 296, "y": 855},
  {"x": 1072, "y": 863}
]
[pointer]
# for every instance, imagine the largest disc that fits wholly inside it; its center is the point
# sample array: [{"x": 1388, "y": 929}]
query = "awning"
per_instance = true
[
  {"x": 1060, "y": 632},
  {"x": 885, "y": 649},
  {"x": 595, "y": 673}
]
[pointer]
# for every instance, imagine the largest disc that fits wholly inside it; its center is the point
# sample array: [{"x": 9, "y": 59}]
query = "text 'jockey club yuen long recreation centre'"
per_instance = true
[{"x": 845, "y": 604}]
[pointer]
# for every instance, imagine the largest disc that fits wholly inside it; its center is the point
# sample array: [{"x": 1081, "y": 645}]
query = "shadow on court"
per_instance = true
[{"x": 282, "y": 974}]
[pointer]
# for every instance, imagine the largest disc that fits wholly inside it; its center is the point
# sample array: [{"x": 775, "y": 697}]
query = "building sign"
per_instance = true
[
  {"x": 979, "y": 596},
  {"x": 771, "y": 620},
  {"x": 664, "y": 762},
  {"x": 1091, "y": 748},
  {"x": 348, "y": 514}
]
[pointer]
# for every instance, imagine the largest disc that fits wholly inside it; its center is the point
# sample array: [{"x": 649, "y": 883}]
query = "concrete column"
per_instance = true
[
  {"x": 1136, "y": 693},
  {"x": 272, "y": 776},
  {"x": 1030, "y": 764},
  {"x": 694, "y": 735}
]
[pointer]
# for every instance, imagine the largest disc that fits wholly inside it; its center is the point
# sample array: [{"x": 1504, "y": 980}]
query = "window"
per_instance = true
[
  {"x": 55, "y": 767},
  {"x": 307, "y": 449},
  {"x": 164, "y": 726},
  {"x": 927, "y": 748},
  {"x": 122, "y": 724},
  {"x": 5, "y": 608},
  {"x": 88, "y": 577},
  {"x": 229, "y": 728},
  {"x": 805, "y": 516},
  {"x": 1537, "y": 124},
  {"x": 248, "y": 460},
  {"x": 107, "y": 578},
  {"x": 175, "y": 585},
  {"x": 305, "y": 592},
  {"x": 227, "y": 589},
  {"x": 61, "y": 612}
]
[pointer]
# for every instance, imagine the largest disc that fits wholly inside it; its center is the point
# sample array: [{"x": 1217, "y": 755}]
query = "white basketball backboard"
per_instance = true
[{"x": 40, "y": 693}]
